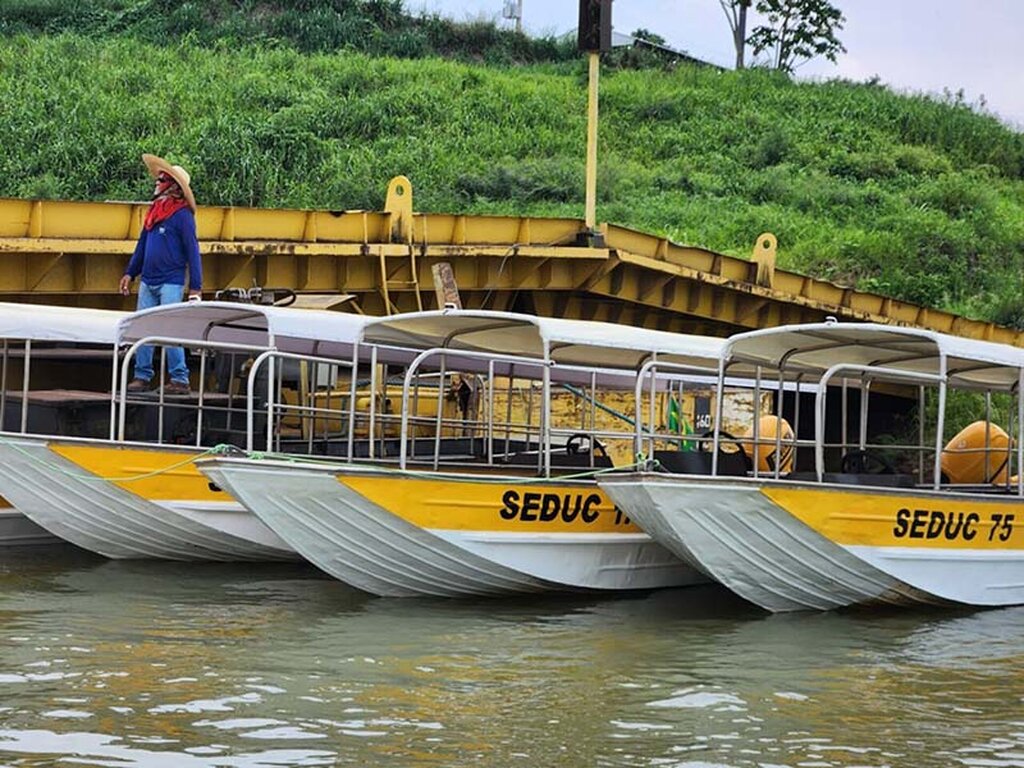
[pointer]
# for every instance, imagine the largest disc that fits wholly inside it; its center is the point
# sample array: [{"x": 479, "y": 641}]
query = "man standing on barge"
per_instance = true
[{"x": 167, "y": 246}]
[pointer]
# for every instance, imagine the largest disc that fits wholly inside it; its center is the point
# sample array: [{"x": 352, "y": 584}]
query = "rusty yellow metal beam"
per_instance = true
[
  {"x": 79, "y": 221},
  {"x": 74, "y": 252},
  {"x": 789, "y": 295}
]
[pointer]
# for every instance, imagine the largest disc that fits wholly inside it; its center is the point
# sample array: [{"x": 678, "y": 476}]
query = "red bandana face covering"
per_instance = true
[{"x": 168, "y": 202}]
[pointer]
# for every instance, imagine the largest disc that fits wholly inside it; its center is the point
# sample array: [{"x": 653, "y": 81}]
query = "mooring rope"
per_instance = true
[
  {"x": 223, "y": 449},
  {"x": 220, "y": 449},
  {"x": 640, "y": 462}
]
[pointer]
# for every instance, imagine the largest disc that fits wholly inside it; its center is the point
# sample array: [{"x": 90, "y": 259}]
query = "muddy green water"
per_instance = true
[{"x": 160, "y": 664}]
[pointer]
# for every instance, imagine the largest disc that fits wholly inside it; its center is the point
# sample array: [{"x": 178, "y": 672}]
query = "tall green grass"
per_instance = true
[
  {"x": 376, "y": 27},
  {"x": 917, "y": 198}
]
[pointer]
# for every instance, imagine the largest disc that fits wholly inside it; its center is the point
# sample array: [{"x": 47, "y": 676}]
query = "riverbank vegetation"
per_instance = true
[{"x": 917, "y": 197}]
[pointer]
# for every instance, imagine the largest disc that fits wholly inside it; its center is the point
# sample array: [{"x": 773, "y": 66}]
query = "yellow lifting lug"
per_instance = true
[
  {"x": 398, "y": 205},
  {"x": 764, "y": 257}
]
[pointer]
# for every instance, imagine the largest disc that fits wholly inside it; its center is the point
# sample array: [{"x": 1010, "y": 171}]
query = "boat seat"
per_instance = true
[
  {"x": 581, "y": 460},
  {"x": 732, "y": 464}
]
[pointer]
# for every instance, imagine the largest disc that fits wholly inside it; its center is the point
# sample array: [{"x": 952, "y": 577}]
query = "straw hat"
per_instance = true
[{"x": 156, "y": 165}]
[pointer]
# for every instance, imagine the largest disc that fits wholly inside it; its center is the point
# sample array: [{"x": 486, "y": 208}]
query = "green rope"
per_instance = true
[{"x": 433, "y": 475}]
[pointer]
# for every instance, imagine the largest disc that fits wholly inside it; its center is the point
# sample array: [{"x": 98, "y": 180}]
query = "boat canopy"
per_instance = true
[
  {"x": 814, "y": 348},
  {"x": 300, "y": 331},
  {"x": 566, "y": 342},
  {"x": 45, "y": 322}
]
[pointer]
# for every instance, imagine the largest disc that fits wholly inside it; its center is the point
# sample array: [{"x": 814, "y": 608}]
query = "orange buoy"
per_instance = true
[
  {"x": 963, "y": 458},
  {"x": 767, "y": 432}
]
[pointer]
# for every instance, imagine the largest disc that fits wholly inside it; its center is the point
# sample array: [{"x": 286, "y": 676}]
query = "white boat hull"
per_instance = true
[
  {"x": 81, "y": 507},
  {"x": 351, "y": 536},
  {"x": 792, "y": 547}
]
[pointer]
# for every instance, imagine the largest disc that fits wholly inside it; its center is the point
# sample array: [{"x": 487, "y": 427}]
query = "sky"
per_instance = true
[{"x": 914, "y": 46}]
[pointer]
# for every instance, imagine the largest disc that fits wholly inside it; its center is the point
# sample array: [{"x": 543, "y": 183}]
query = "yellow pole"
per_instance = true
[{"x": 591, "y": 212}]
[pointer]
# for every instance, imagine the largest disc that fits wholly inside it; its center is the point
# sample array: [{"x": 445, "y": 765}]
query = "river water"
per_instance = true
[{"x": 172, "y": 665}]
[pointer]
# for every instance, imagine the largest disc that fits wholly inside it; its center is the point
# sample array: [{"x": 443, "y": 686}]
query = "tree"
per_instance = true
[
  {"x": 797, "y": 30},
  {"x": 736, "y": 13}
]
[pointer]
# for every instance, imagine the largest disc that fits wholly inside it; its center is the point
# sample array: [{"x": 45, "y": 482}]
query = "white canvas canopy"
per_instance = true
[
  {"x": 300, "y": 331},
  {"x": 816, "y": 347},
  {"x": 45, "y": 322},
  {"x": 565, "y": 342}
]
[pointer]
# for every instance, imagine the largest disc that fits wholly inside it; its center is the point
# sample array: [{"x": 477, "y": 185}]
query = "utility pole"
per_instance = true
[
  {"x": 594, "y": 73},
  {"x": 595, "y": 38}
]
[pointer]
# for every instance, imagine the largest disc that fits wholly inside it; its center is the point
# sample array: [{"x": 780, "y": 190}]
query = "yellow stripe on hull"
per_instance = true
[
  {"x": 927, "y": 521},
  {"x": 501, "y": 504},
  {"x": 182, "y": 483}
]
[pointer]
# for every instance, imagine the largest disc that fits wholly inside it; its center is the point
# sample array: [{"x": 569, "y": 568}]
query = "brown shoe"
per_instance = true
[
  {"x": 138, "y": 385},
  {"x": 177, "y": 388}
]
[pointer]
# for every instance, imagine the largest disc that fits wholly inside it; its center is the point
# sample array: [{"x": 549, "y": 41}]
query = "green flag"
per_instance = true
[{"x": 677, "y": 423}]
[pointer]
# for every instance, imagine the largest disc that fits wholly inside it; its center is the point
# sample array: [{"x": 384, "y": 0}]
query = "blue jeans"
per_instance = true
[{"x": 154, "y": 296}]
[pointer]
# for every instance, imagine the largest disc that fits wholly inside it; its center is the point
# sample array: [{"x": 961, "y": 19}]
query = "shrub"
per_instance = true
[
  {"x": 525, "y": 181},
  {"x": 771, "y": 149},
  {"x": 955, "y": 194}
]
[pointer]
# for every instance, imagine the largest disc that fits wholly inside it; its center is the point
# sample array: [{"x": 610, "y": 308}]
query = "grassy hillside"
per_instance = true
[
  {"x": 904, "y": 195},
  {"x": 376, "y": 27}
]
